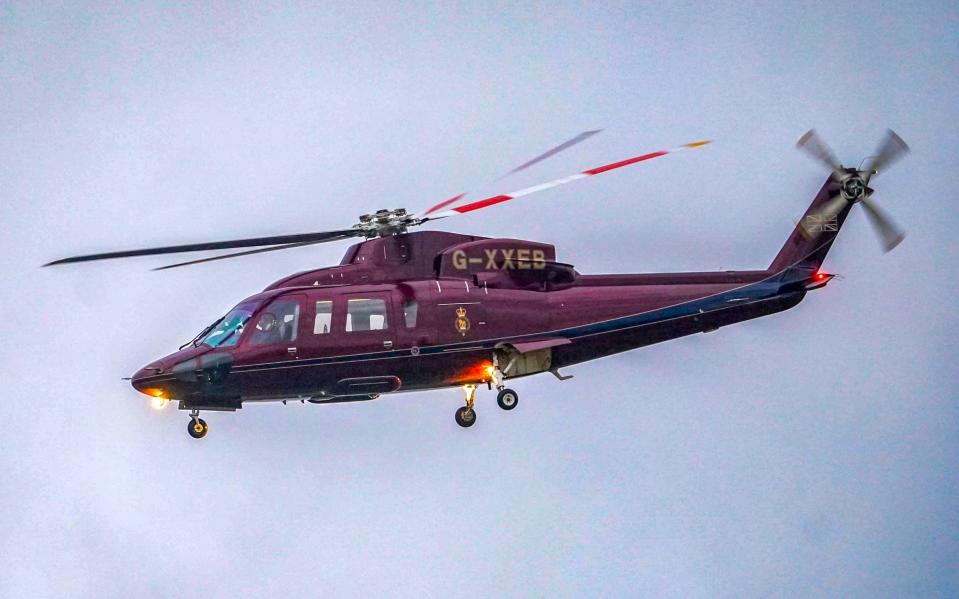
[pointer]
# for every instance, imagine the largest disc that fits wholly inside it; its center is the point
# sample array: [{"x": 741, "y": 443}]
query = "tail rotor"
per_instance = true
[{"x": 854, "y": 184}]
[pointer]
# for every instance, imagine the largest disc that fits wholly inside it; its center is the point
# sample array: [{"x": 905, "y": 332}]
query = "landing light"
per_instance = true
[{"x": 158, "y": 403}]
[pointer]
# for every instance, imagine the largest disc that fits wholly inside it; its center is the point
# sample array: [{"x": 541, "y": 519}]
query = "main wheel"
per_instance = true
[
  {"x": 197, "y": 428},
  {"x": 465, "y": 417},
  {"x": 507, "y": 399}
]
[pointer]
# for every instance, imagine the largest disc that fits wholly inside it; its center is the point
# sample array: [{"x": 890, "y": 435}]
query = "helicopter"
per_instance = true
[{"x": 419, "y": 310}]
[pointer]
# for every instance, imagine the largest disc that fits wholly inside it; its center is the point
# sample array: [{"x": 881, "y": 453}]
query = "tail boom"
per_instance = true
[{"x": 807, "y": 246}]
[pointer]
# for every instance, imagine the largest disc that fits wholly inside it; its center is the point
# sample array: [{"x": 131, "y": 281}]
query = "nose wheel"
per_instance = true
[{"x": 197, "y": 427}]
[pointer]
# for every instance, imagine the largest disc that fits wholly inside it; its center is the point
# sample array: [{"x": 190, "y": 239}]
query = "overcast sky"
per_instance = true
[{"x": 808, "y": 454}]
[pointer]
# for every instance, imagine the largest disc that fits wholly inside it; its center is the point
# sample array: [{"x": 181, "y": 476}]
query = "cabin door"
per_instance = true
[
  {"x": 369, "y": 324},
  {"x": 276, "y": 333},
  {"x": 273, "y": 347}
]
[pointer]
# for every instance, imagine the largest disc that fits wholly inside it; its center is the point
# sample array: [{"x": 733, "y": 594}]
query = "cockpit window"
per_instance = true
[
  {"x": 227, "y": 332},
  {"x": 277, "y": 323}
]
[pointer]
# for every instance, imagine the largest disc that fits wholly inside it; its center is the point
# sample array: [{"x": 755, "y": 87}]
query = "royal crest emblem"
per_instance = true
[{"x": 462, "y": 322}]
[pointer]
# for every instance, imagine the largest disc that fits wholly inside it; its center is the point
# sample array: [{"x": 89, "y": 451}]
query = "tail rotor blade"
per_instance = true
[
  {"x": 816, "y": 148},
  {"x": 890, "y": 235},
  {"x": 891, "y": 149}
]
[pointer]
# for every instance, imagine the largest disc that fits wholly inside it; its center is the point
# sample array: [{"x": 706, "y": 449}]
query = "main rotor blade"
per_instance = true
[
  {"x": 446, "y": 203},
  {"x": 301, "y": 238},
  {"x": 817, "y": 149},
  {"x": 890, "y": 235},
  {"x": 547, "y": 154},
  {"x": 238, "y": 254},
  {"x": 490, "y": 201},
  {"x": 553, "y": 151},
  {"x": 890, "y": 150}
]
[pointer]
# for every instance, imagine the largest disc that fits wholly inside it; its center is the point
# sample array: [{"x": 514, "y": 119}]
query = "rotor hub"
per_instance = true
[
  {"x": 853, "y": 188},
  {"x": 384, "y": 223}
]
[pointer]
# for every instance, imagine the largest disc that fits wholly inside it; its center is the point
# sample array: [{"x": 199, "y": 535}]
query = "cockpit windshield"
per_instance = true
[{"x": 227, "y": 332}]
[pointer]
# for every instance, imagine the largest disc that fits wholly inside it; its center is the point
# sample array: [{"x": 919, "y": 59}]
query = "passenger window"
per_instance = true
[
  {"x": 409, "y": 313},
  {"x": 366, "y": 315},
  {"x": 324, "y": 317},
  {"x": 277, "y": 323}
]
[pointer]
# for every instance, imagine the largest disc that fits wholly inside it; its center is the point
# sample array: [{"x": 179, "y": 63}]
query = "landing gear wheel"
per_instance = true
[
  {"x": 197, "y": 428},
  {"x": 465, "y": 417},
  {"x": 507, "y": 399}
]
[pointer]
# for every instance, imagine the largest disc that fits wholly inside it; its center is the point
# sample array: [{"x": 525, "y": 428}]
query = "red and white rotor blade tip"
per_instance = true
[
  {"x": 555, "y": 183},
  {"x": 547, "y": 154}
]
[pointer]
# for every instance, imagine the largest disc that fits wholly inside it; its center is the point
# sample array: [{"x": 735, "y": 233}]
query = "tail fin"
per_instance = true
[{"x": 810, "y": 241}]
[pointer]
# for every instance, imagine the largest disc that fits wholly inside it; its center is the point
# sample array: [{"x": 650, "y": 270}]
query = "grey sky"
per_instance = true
[{"x": 812, "y": 453}]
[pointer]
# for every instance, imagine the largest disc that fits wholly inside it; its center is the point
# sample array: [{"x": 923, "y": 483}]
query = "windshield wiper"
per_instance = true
[{"x": 203, "y": 333}]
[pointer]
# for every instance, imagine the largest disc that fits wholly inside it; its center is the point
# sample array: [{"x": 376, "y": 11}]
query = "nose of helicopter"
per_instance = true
[
  {"x": 142, "y": 380},
  {"x": 160, "y": 374}
]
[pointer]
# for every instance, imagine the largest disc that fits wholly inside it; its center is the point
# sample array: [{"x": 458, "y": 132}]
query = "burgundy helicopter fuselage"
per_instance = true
[
  {"x": 412, "y": 311},
  {"x": 430, "y": 310}
]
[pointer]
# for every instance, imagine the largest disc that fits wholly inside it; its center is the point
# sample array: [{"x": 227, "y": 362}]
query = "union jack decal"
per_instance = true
[{"x": 816, "y": 223}]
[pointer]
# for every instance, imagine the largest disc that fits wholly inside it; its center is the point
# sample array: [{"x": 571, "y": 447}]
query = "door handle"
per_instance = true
[
  {"x": 291, "y": 351},
  {"x": 388, "y": 344}
]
